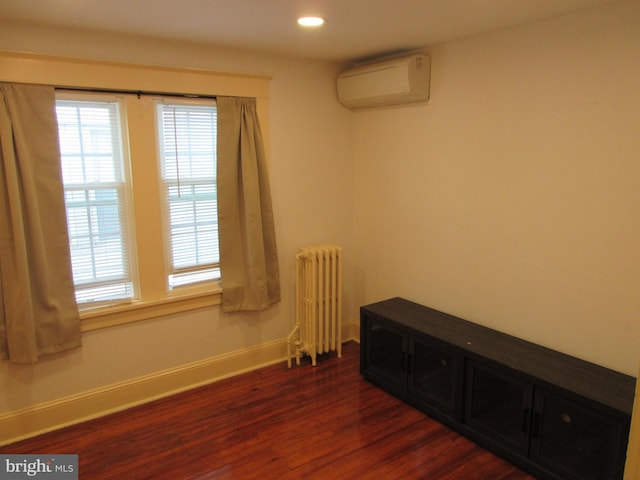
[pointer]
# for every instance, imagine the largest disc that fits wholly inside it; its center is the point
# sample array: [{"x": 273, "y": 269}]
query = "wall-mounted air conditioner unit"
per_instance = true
[{"x": 399, "y": 80}]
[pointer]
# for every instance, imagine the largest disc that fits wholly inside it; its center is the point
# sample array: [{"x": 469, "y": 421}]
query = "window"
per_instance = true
[
  {"x": 144, "y": 227},
  {"x": 187, "y": 134},
  {"x": 152, "y": 297},
  {"x": 98, "y": 208}
]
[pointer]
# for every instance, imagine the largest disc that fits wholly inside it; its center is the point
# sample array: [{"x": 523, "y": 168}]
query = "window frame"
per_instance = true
[
  {"x": 160, "y": 101},
  {"x": 127, "y": 192},
  {"x": 148, "y": 209}
]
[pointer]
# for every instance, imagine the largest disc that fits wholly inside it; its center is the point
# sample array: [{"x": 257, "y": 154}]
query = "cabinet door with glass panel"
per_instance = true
[
  {"x": 384, "y": 353},
  {"x": 414, "y": 367},
  {"x": 435, "y": 375},
  {"x": 498, "y": 405},
  {"x": 562, "y": 433},
  {"x": 580, "y": 443}
]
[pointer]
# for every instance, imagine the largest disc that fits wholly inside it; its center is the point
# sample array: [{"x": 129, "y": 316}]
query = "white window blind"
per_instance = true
[
  {"x": 93, "y": 167},
  {"x": 188, "y": 138}
]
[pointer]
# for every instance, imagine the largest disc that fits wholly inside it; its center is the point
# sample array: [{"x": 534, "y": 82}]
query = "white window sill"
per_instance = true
[{"x": 103, "y": 317}]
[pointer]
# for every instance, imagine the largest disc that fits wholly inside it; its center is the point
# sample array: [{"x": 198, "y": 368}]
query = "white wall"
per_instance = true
[
  {"x": 311, "y": 168},
  {"x": 511, "y": 199}
]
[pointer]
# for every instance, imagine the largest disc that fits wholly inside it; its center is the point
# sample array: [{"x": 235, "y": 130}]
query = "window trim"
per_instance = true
[{"x": 76, "y": 73}]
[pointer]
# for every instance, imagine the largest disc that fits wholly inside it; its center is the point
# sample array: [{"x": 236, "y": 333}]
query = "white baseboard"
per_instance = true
[
  {"x": 45, "y": 417},
  {"x": 59, "y": 413}
]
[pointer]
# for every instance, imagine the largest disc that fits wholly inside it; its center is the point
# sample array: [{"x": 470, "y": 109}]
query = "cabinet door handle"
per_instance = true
[
  {"x": 536, "y": 425},
  {"x": 409, "y": 364}
]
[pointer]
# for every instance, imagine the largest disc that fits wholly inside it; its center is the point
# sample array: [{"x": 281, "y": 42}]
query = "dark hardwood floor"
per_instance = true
[{"x": 321, "y": 422}]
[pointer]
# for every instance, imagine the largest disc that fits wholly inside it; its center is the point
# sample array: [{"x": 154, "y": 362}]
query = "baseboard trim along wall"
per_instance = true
[
  {"x": 49, "y": 416},
  {"x": 116, "y": 397}
]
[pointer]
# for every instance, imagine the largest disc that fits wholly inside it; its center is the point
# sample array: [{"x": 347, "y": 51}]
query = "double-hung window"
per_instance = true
[
  {"x": 139, "y": 178},
  {"x": 96, "y": 189},
  {"x": 187, "y": 134}
]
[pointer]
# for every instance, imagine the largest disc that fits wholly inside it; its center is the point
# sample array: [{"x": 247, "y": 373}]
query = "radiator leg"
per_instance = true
[{"x": 298, "y": 354}]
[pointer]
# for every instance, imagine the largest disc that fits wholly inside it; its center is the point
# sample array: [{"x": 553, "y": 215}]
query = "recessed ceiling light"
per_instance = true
[{"x": 311, "y": 21}]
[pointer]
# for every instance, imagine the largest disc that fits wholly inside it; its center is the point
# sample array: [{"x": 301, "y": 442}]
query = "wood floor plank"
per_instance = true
[{"x": 275, "y": 423}]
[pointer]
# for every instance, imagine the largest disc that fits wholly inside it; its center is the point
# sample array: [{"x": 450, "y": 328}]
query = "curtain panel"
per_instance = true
[
  {"x": 248, "y": 254},
  {"x": 38, "y": 311}
]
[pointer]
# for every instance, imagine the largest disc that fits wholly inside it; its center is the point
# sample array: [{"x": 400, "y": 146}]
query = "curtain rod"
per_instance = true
[{"x": 139, "y": 93}]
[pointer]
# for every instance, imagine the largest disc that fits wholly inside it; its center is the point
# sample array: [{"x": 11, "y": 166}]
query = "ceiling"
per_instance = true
[{"x": 355, "y": 29}]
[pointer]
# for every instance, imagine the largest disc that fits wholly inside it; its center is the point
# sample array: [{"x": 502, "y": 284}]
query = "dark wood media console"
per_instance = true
[{"x": 554, "y": 415}]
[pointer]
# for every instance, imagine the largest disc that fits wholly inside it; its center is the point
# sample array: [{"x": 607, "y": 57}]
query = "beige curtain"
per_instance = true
[
  {"x": 38, "y": 312},
  {"x": 248, "y": 257}
]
